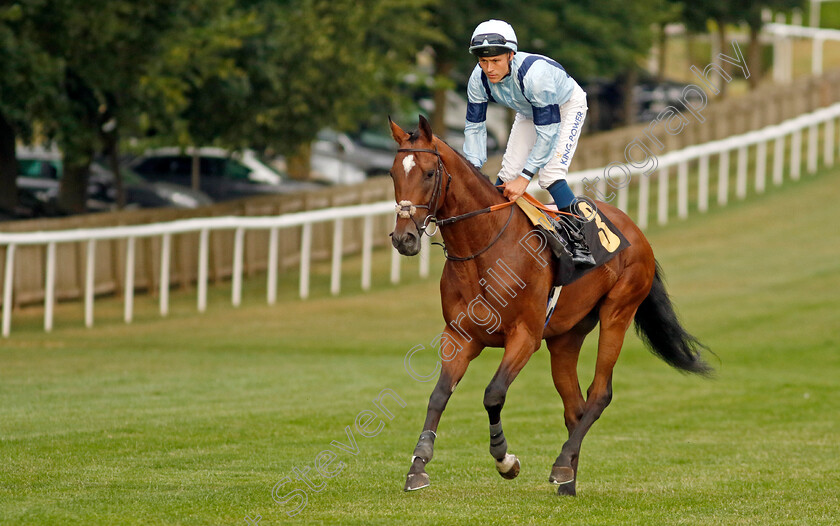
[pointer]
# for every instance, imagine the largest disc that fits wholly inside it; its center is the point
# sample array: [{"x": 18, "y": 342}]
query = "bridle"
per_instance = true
[{"x": 407, "y": 209}]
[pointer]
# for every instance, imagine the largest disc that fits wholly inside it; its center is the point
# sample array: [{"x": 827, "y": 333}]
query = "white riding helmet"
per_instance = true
[{"x": 493, "y": 37}]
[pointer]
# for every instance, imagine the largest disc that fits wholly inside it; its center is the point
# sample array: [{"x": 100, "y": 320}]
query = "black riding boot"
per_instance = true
[{"x": 581, "y": 255}]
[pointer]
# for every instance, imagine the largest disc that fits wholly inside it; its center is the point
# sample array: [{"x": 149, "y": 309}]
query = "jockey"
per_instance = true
[{"x": 550, "y": 110}]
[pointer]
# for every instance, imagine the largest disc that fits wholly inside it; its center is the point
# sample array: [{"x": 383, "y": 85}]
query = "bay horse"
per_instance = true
[{"x": 493, "y": 294}]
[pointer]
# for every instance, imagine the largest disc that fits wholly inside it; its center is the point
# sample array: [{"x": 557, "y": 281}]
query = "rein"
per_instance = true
[
  {"x": 485, "y": 249},
  {"x": 407, "y": 209}
]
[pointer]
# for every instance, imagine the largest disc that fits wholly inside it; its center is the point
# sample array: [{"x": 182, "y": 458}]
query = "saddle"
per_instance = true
[{"x": 602, "y": 237}]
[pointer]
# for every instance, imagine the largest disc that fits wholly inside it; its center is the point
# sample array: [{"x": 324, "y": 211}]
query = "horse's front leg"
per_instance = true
[
  {"x": 452, "y": 370},
  {"x": 519, "y": 347}
]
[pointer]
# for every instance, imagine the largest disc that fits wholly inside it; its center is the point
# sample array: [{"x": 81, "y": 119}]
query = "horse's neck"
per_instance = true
[{"x": 467, "y": 193}]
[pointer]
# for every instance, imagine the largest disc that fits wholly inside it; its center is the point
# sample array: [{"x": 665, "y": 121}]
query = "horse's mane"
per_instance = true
[
  {"x": 470, "y": 166},
  {"x": 416, "y": 134}
]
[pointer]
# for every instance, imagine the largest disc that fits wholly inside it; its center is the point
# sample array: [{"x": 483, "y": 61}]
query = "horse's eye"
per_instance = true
[{"x": 430, "y": 174}]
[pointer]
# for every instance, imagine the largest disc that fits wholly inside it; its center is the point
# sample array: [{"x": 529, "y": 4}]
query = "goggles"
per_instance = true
[{"x": 492, "y": 39}]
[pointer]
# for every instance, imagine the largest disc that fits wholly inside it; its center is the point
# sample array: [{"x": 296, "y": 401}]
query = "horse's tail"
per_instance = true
[{"x": 658, "y": 326}]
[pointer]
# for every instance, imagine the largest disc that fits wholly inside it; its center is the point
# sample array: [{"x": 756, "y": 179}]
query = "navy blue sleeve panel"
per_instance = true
[
  {"x": 476, "y": 111},
  {"x": 546, "y": 115}
]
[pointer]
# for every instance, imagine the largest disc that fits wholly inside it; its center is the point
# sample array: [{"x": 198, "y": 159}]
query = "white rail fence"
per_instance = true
[
  {"x": 783, "y": 35},
  {"x": 724, "y": 150},
  {"x": 204, "y": 226}
]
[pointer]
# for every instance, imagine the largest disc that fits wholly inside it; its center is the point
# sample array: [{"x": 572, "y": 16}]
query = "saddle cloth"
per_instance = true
[{"x": 602, "y": 237}]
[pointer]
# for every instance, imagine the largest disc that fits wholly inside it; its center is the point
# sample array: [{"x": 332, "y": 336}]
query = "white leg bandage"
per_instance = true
[{"x": 504, "y": 465}]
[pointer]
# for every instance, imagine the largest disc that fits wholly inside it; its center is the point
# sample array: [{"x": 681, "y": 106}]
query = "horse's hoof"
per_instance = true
[
  {"x": 561, "y": 475},
  {"x": 508, "y": 467},
  {"x": 567, "y": 489},
  {"x": 416, "y": 481}
]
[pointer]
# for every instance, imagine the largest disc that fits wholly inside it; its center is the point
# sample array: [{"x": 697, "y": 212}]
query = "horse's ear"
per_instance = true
[
  {"x": 426, "y": 129},
  {"x": 397, "y": 133}
]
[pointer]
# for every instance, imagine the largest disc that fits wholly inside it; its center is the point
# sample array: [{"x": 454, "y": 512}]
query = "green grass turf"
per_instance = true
[{"x": 193, "y": 419}]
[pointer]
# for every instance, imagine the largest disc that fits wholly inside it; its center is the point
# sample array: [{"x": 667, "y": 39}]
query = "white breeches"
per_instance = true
[{"x": 523, "y": 135}]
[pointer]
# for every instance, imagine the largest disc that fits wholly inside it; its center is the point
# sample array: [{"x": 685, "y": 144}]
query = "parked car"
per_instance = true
[
  {"x": 367, "y": 153},
  {"x": 141, "y": 193},
  {"x": 650, "y": 97},
  {"x": 29, "y": 206},
  {"x": 222, "y": 175},
  {"x": 41, "y": 171},
  {"x": 341, "y": 159},
  {"x": 653, "y": 97}
]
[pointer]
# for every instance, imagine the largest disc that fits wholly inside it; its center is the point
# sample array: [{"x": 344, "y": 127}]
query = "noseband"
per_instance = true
[{"x": 407, "y": 209}]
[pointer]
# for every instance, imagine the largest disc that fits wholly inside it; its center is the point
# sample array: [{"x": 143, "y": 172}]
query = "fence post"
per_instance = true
[
  {"x": 273, "y": 251},
  {"x": 395, "y": 266},
  {"x": 128, "y": 308},
  {"x": 741, "y": 178},
  {"x": 662, "y": 198},
  {"x": 723, "y": 179},
  {"x": 425, "y": 249},
  {"x": 367, "y": 251},
  {"x": 682, "y": 190},
  {"x": 761, "y": 167},
  {"x": 816, "y": 56},
  {"x": 703, "y": 185},
  {"x": 90, "y": 266},
  {"x": 828, "y": 144},
  {"x": 812, "y": 149},
  {"x": 238, "y": 254},
  {"x": 796, "y": 155},
  {"x": 335, "y": 275},
  {"x": 624, "y": 196},
  {"x": 778, "y": 160},
  {"x": 49, "y": 288},
  {"x": 602, "y": 186},
  {"x": 203, "y": 263},
  {"x": 305, "y": 254},
  {"x": 165, "y": 256},
  {"x": 8, "y": 286}
]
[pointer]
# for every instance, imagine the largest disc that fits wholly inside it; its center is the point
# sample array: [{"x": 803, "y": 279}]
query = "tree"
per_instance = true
[
  {"x": 107, "y": 77},
  {"x": 316, "y": 64},
  {"x": 195, "y": 91},
  {"x": 30, "y": 78},
  {"x": 671, "y": 12},
  {"x": 117, "y": 62}
]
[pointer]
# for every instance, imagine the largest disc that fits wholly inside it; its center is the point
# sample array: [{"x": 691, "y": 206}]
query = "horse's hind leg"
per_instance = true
[
  {"x": 452, "y": 370},
  {"x": 518, "y": 350},
  {"x": 615, "y": 318},
  {"x": 565, "y": 350}
]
